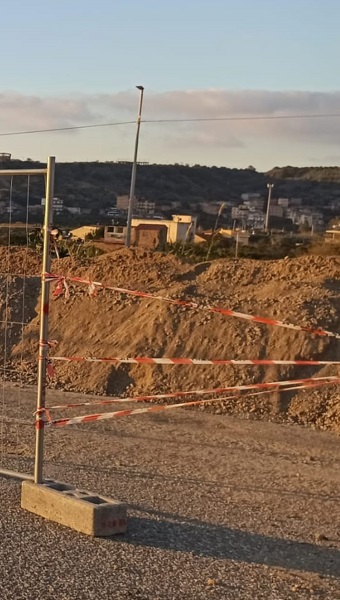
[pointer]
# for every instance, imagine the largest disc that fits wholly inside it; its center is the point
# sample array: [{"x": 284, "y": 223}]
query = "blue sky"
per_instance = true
[{"x": 72, "y": 62}]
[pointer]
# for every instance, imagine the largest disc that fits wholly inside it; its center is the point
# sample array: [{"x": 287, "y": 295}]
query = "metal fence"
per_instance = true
[{"x": 19, "y": 288}]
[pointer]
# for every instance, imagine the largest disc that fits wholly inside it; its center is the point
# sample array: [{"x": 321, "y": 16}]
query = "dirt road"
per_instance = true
[{"x": 218, "y": 508}]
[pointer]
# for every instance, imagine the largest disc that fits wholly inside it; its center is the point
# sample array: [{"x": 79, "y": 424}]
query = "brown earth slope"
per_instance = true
[{"x": 303, "y": 291}]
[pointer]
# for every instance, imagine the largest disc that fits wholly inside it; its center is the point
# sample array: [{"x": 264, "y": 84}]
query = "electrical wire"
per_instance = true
[
  {"x": 254, "y": 118},
  {"x": 186, "y": 120},
  {"x": 71, "y": 128}
]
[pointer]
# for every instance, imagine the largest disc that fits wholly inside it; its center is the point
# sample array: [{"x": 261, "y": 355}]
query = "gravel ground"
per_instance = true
[{"x": 218, "y": 508}]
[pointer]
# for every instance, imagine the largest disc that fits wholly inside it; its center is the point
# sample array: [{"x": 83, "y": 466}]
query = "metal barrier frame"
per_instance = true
[{"x": 49, "y": 173}]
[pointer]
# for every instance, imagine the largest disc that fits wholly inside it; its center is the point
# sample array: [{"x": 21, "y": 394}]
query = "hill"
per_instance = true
[{"x": 95, "y": 186}]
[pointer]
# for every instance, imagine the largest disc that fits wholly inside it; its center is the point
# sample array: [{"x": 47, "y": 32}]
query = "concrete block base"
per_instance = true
[{"x": 77, "y": 509}]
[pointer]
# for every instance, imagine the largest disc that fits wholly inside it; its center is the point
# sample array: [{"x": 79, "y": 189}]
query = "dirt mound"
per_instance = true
[
  {"x": 304, "y": 291},
  {"x": 125, "y": 267},
  {"x": 18, "y": 261}
]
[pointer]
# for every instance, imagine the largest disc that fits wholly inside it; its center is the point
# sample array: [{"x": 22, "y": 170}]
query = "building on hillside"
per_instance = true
[
  {"x": 309, "y": 218},
  {"x": 250, "y": 196},
  {"x": 35, "y": 209},
  {"x": 73, "y": 210},
  {"x": 293, "y": 215},
  {"x": 10, "y": 207},
  {"x": 240, "y": 212},
  {"x": 284, "y": 202},
  {"x": 5, "y": 157},
  {"x": 295, "y": 201},
  {"x": 289, "y": 202},
  {"x": 256, "y": 219},
  {"x": 211, "y": 207},
  {"x": 81, "y": 233},
  {"x": 276, "y": 211},
  {"x": 111, "y": 212},
  {"x": 145, "y": 208},
  {"x": 255, "y": 203},
  {"x": 141, "y": 207},
  {"x": 57, "y": 205},
  {"x": 182, "y": 228},
  {"x": 305, "y": 217},
  {"x": 122, "y": 202}
]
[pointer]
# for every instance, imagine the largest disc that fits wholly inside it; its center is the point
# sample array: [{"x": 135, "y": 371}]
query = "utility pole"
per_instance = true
[
  {"x": 134, "y": 170},
  {"x": 270, "y": 187}
]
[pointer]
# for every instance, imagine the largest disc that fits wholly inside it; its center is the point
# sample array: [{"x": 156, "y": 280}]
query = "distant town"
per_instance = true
[{"x": 181, "y": 203}]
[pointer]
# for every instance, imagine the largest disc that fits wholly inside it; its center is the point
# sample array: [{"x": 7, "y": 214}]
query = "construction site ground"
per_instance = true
[
  {"x": 304, "y": 291},
  {"x": 238, "y": 499},
  {"x": 221, "y": 508}
]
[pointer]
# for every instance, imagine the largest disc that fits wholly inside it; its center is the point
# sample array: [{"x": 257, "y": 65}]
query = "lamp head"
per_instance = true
[{"x": 140, "y": 87}]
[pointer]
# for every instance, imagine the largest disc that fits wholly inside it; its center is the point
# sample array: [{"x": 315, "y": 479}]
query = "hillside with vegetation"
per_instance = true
[
  {"x": 319, "y": 174},
  {"x": 317, "y": 186},
  {"x": 175, "y": 188}
]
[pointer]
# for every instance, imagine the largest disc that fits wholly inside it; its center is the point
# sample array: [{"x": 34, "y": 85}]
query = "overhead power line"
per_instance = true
[
  {"x": 254, "y": 118},
  {"x": 185, "y": 120},
  {"x": 71, "y": 128}
]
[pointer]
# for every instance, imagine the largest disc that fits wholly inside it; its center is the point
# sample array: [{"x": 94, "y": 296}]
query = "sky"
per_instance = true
[{"x": 76, "y": 62}]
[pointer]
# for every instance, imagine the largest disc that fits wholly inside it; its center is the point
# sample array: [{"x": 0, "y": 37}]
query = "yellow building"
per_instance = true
[
  {"x": 200, "y": 239},
  {"x": 182, "y": 228},
  {"x": 332, "y": 235},
  {"x": 82, "y": 232},
  {"x": 241, "y": 236}
]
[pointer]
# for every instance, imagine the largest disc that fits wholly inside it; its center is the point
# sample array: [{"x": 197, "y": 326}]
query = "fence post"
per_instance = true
[{"x": 43, "y": 336}]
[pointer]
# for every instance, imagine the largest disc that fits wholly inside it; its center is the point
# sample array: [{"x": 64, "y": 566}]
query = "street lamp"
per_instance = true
[
  {"x": 134, "y": 170},
  {"x": 270, "y": 187}
]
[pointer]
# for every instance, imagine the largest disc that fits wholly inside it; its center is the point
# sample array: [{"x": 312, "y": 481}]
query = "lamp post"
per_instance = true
[
  {"x": 270, "y": 187},
  {"x": 134, "y": 170}
]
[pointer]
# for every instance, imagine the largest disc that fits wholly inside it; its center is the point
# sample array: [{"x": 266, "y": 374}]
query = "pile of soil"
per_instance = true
[{"x": 304, "y": 291}]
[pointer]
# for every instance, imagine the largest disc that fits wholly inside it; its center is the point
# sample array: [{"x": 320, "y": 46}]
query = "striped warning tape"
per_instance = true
[
  {"x": 62, "y": 287},
  {"x": 158, "y": 408},
  {"x": 191, "y": 361},
  {"x": 213, "y": 391}
]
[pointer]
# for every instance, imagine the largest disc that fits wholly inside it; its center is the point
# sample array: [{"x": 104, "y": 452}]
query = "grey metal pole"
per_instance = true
[
  {"x": 134, "y": 171},
  {"x": 25, "y": 172},
  {"x": 270, "y": 187},
  {"x": 16, "y": 475},
  {"x": 236, "y": 248},
  {"x": 44, "y": 310}
]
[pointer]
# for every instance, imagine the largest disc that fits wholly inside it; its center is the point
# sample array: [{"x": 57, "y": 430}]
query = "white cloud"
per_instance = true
[
  {"x": 203, "y": 139},
  {"x": 217, "y": 103},
  {"x": 19, "y": 111}
]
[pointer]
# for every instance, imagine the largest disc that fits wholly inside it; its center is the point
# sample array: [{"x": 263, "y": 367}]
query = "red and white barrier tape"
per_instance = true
[
  {"x": 62, "y": 287},
  {"x": 239, "y": 388},
  {"x": 190, "y": 361},
  {"x": 157, "y": 408}
]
